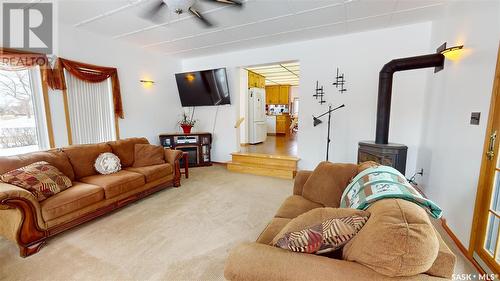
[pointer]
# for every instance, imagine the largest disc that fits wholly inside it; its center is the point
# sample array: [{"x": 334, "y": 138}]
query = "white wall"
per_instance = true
[
  {"x": 243, "y": 112},
  {"x": 294, "y": 92},
  {"x": 451, "y": 148},
  {"x": 360, "y": 56},
  {"x": 148, "y": 111}
]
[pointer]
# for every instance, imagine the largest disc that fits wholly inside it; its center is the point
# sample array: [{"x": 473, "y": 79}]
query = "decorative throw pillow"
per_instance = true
[
  {"x": 148, "y": 155},
  {"x": 107, "y": 163},
  {"x": 321, "y": 230},
  {"x": 40, "y": 178}
]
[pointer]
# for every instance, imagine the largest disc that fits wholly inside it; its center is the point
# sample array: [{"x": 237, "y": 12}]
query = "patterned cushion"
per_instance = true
[
  {"x": 39, "y": 178},
  {"x": 325, "y": 237},
  {"x": 107, "y": 163}
]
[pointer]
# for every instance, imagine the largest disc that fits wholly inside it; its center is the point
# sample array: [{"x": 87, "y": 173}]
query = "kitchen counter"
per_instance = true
[{"x": 283, "y": 123}]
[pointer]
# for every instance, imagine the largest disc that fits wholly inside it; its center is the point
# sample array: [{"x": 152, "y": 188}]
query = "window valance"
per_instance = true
[
  {"x": 12, "y": 59},
  {"x": 90, "y": 73}
]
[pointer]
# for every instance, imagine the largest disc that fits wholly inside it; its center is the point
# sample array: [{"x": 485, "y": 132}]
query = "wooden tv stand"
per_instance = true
[{"x": 197, "y": 145}]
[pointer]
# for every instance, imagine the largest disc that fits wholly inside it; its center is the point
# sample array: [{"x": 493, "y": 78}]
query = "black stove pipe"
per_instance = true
[{"x": 385, "y": 88}]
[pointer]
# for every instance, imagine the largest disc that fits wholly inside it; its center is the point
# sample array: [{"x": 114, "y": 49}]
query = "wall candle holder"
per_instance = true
[
  {"x": 340, "y": 82},
  {"x": 320, "y": 93}
]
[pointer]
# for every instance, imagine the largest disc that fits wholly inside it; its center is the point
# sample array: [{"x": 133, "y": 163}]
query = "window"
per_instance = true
[
  {"x": 90, "y": 110},
  {"x": 23, "y": 123},
  {"x": 295, "y": 108}
]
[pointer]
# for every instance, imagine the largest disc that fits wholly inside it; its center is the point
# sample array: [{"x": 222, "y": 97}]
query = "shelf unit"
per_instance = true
[{"x": 197, "y": 145}]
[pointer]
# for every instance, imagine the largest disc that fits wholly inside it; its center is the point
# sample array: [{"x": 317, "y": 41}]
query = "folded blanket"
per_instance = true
[{"x": 383, "y": 182}]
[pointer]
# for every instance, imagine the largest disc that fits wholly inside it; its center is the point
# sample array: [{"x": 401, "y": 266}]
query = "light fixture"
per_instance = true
[
  {"x": 179, "y": 6},
  {"x": 317, "y": 121},
  {"x": 147, "y": 83},
  {"x": 452, "y": 49},
  {"x": 453, "y": 53}
]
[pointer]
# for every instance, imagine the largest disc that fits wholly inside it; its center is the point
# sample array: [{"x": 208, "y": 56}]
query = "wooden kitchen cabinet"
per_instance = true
[
  {"x": 272, "y": 94},
  {"x": 251, "y": 80},
  {"x": 278, "y": 94},
  {"x": 262, "y": 82},
  {"x": 284, "y": 97},
  {"x": 256, "y": 80},
  {"x": 283, "y": 123}
]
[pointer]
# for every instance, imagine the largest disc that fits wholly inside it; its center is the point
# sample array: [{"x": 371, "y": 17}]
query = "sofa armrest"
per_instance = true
[
  {"x": 9, "y": 191},
  {"x": 172, "y": 157},
  {"x": 300, "y": 180},
  {"x": 254, "y": 261},
  {"x": 21, "y": 217},
  {"x": 11, "y": 195}
]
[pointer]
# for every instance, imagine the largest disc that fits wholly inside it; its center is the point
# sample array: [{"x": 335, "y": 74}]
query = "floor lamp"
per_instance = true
[{"x": 317, "y": 121}]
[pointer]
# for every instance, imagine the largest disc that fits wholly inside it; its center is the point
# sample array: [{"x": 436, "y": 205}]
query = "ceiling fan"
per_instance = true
[{"x": 161, "y": 7}]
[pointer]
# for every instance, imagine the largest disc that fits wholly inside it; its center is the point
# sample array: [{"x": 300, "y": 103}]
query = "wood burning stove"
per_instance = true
[
  {"x": 381, "y": 150},
  {"x": 390, "y": 154}
]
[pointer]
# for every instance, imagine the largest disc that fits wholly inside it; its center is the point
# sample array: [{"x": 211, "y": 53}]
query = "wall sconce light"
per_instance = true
[
  {"x": 452, "y": 53},
  {"x": 147, "y": 83},
  {"x": 452, "y": 49}
]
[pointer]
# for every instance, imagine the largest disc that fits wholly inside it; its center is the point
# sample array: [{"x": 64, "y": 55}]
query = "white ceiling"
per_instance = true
[
  {"x": 279, "y": 74},
  {"x": 259, "y": 23}
]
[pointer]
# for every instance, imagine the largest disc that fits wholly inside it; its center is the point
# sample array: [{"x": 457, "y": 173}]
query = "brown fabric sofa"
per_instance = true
[
  {"x": 261, "y": 261},
  {"x": 29, "y": 223}
]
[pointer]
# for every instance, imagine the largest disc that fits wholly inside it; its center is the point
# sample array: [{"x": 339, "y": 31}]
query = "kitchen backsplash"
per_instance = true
[{"x": 274, "y": 109}]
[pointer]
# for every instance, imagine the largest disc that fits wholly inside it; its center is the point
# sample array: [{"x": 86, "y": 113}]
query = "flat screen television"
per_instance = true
[{"x": 201, "y": 88}]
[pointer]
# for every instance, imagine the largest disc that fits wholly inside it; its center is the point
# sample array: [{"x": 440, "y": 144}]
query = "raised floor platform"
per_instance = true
[{"x": 279, "y": 166}]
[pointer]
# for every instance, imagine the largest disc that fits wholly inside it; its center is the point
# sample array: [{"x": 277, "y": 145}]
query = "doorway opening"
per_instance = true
[{"x": 272, "y": 109}]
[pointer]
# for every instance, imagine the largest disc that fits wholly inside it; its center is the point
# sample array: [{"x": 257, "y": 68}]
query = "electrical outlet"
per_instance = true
[
  {"x": 474, "y": 118},
  {"x": 421, "y": 172}
]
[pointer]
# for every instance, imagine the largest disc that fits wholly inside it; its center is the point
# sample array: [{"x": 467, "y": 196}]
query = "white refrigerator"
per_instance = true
[{"x": 257, "y": 115}]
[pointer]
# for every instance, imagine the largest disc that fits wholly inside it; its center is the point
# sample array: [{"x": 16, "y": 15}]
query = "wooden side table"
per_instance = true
[{"x": 186, "y": 165}]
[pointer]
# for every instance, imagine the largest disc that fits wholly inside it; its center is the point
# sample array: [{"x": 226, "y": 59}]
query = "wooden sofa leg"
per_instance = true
[
  {"x": 26, "y": 251},
  {"x": 177, "y": 182},
  {"x": 177, "y": 173}
]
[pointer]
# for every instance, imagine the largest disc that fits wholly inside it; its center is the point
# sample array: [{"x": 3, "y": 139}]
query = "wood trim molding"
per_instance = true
[
  {"x": 117, "y": 128},
  {"x": 480, "y": 202},
  {"x": 66, "y": 113},
  {"x": 48, "y": 114},
  {"x": 461, "y": 246}
]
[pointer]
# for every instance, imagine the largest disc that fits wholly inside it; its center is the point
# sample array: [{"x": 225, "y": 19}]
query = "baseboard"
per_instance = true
[
  {"x": 271, "y": 134},
  {"x": 220, "y": 163},
  {"x": 461, "y": 246}
]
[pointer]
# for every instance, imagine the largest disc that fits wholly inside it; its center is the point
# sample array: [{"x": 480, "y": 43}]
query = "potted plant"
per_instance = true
[{"x": 187, "y": 123}]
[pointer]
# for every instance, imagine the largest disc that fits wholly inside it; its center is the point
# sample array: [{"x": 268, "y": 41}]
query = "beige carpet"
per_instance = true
[{"x": 176, "y": 234}]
